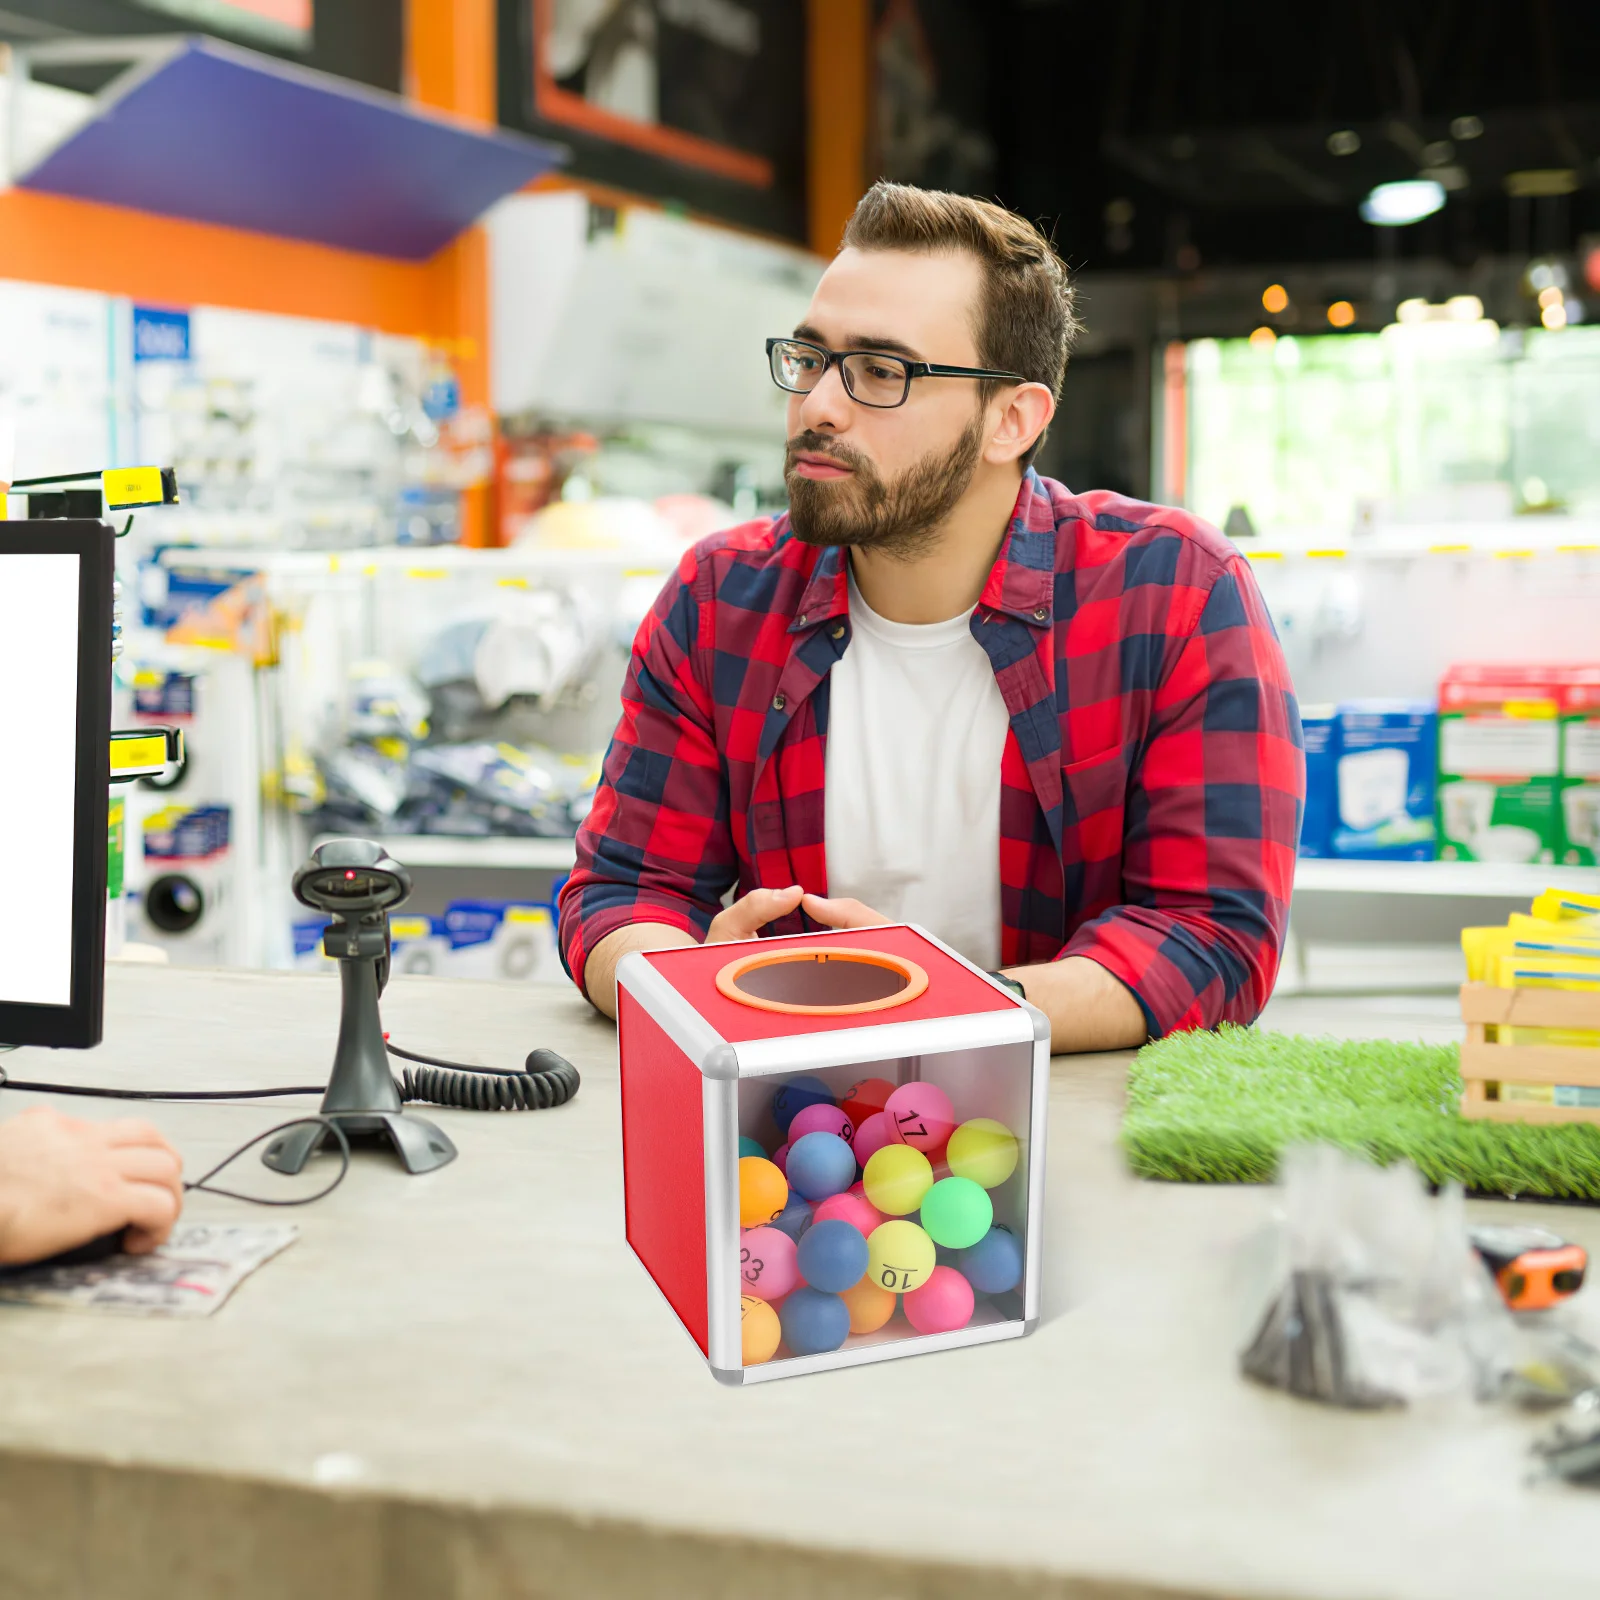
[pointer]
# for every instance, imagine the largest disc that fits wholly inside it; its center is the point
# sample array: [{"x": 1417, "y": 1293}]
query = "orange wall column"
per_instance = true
[
  {"x": 838, "y": 62},
  {"x": 450, "y": 67}
]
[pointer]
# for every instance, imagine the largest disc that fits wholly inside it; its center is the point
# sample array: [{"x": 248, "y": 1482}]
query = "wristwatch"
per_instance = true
[{"x": 1011, "y": 983}]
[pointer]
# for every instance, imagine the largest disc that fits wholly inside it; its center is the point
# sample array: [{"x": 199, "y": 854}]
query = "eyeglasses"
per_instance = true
[{"x": 870, "y": 379}]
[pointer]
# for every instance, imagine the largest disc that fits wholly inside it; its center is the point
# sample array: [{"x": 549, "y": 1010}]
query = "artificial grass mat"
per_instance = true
[{"x": 1220, "y": 1107}]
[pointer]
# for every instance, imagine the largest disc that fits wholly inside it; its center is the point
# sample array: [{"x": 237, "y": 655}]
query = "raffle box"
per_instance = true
[{"x": 833, "y": 1147}]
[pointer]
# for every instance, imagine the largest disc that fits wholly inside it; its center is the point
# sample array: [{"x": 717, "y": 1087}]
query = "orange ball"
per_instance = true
[
  {"x": 759, "y": 1330},
  {"x": 870, "y": 1307},
  {"x": 763, "y": 1192}
]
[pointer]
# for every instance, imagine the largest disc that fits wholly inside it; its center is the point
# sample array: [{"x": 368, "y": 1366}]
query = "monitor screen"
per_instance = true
[{"x": 55, "y": 636}]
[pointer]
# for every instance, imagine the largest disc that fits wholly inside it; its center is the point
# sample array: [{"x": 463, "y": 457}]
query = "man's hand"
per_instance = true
[
  {"x": 64, "y": 1182},
  {"x": 841, "y": 913},
  {"x": 747, "y": 916}
]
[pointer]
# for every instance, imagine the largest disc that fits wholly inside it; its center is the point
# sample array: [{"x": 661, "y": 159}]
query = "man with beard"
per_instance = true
[{"x": 1054, "y": 729}]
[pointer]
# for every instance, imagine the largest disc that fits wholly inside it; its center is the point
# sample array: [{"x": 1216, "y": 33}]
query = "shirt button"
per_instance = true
[
  {"x": 1041, "y": 614},
  {"x": 838, "y": 632},
  {"x": 801, "y": 619},
  {"x": 778, "y": 702}
]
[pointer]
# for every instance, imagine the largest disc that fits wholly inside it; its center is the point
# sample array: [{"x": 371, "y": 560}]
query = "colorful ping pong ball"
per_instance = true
[
  {"x": 896, "y": 1179},
  {"x": 814, "y": 1321},
  {"x": 863, "y": 1099},
  {"x": 796, "y": 1095},
  {"x": 900, "y": 1257},
  {"x": 832, "y": 1255},
  {"x": 983, "y": 1150},
  {"x": 795, "y": 1217},
  {"x": 921, "y": 1116},
  {"x": 871, "y": 1136},
  {"x": 943, "y": 1304},
  {"x": 994, "y": 1264},
  {"x": 780, "y": 1159},
  {"x": 869, "y": 1306},
  {"x": 821, "y": 1119},
  {"x": 820, "y": 1164},
  {"x": 759, "y": 1330},
  {"x": 849, "y": 1207},
  {"x": 751, "y": 1147},
  {"x": 956, "y": 1213},
  {"x": 767, "y": 1265},
  {"x": 763, "y": 1191}
]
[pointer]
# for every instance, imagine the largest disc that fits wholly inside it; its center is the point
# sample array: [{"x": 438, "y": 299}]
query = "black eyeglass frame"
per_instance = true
[{"x": 913, "y": 369}]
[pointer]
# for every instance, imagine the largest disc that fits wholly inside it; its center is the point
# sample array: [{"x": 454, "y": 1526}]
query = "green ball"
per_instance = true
[{"x": 956, "y": 1213}]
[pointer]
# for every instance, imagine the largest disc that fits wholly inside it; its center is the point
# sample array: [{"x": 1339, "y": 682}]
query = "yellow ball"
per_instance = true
[
  {"x": 759, "y": 1330},
  {"x": 896, "y": 1178},
  {"x": 984, "y": 1151},
  {"x": 900, "y": 1257},
  {"x": 870, "y": 1306},
  {"x": 763, "y": 1191}
]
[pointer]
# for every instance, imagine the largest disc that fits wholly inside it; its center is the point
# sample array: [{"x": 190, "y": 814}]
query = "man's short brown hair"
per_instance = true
[{"x": 1025, "y": 321}]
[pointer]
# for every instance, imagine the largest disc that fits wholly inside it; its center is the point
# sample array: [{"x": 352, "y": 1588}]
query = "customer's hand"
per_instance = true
[
  {"x": 64, "y": 1182},
  {"x": 748, "y": 915},
  {"x": 841, "y": 913}
]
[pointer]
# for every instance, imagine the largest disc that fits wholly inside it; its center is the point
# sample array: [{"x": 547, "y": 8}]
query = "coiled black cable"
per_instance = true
[{"x": 546, "y": 1080}]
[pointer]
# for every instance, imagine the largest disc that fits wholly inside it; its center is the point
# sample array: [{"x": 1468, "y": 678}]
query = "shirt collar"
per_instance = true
[{"x": 827, "y": 592}]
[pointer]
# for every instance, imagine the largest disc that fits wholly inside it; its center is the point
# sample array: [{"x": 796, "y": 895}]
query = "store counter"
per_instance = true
[{"x": 463, "y": 1384}]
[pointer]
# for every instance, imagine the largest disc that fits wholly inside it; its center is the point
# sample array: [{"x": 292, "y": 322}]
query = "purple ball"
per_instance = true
[{"x": 820, "y": 1164}]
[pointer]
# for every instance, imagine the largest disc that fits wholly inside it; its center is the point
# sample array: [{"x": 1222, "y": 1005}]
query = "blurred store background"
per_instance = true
[{"x": 449, "y": 315}]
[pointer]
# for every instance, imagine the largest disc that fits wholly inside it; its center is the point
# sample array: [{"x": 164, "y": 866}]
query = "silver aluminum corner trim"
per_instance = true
[
  {"x": 682, "y": 1023},
  {"x": 810, "y": 1052},
  {"x": 1041, "y": 1023},
  {"x": 730, "y": 1377},
  {"x": 893, "y": 1350},
  {"x": 1038, "y": 1152},
  {"x": 719, "y": 1108}
]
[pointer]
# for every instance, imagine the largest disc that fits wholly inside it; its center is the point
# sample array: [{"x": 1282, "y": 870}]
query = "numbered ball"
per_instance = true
[
  {"x": 872, "y": 1136},
  {"x": 795, "y": 1217},
  {"x": 832, "y": 1256},
  {"x": 850, "y": 1207},
  {"x": 767, "y": 1265},
  {"x": 759, "y": 1330},
  {"x": 897, "y": 1178},
  {"x": 994, "y": 1264},
  {"x": 920, "y": 1115},
  {"x": 820, "y": 1164},
  {"x": 866, "y": 1098},
  {"x": 821, "y": 1119},
  {"x": 814, "y": 1321},
  {"x": 943, "y": 1304},
  {"x": 763, "y": 1191},
  {"x": 899, "y": 1257},
  {"x": 983, "y": 1150},
  {"x": 796, "y": 1095},
  {"x": 956, "y": 1213},
  {"x": 869, "y": 1306},
  {"x": 751, "y": 1147}
]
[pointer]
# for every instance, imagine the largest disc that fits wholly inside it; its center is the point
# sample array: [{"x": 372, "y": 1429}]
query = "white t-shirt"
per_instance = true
[{"x": 916, "y": 730}]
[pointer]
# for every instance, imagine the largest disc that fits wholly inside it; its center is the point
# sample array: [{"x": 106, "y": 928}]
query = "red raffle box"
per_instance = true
[{"x": 859, "y": 1078}]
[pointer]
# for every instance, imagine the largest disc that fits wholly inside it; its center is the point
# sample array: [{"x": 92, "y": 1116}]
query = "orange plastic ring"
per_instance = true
[{"x": 728, "y": 979}]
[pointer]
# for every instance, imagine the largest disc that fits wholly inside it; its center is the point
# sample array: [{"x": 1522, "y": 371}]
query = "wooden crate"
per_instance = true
[{"x": 1484, "y": 1062}]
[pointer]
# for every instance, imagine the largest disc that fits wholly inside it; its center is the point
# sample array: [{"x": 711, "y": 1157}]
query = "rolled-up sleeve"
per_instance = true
[
  {"x": 1215, "y": 799},
  {"x": 656, "y": 846}
]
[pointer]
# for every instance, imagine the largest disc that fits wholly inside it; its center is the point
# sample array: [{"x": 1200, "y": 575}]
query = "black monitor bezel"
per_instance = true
[{"x": 77, "y": 1025}]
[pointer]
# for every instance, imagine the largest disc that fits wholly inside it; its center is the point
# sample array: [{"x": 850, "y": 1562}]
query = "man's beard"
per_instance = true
[{"x": 901, "y": 518}]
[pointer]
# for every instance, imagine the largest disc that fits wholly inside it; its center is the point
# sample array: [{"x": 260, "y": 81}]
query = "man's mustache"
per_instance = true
[{"x": 819, "y": 444}]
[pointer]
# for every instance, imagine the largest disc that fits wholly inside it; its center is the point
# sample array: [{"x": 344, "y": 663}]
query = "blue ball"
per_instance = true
[
  {"x": 795, "y": 1217},
  {"x": 820, "y": 1164},
  {"x": 793, "y": 1097},
  {"x": 994, "y": 1263},
  {"x": 751, "y": 1147},
  {"x": 813, "y": 1321},
  {"x": 833, "y": 1256}
]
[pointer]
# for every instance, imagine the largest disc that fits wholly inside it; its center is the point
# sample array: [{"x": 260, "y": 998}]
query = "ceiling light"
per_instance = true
[
  {"x": 1341, "y": 313},
  {"x": 1344, "y": 143},
  {"x": 1275, "y": 298},
  {"x": 1437, "y": 153},
  {"x": 1263, "y": 337},
  {"x": 1395, "y": 205},
  {"x": 1466, "y": 128}
]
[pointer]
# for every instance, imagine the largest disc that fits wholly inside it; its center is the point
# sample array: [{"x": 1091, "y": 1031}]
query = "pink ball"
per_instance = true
[
  {"x": 873, "y": 1134},
  {"x": 820, "y": 1119},
  {"x": 921, "y": 1116},
  {"x": 768, "y": 1267},
  {"x": 943, "y": 1304},
  {"x": 851, "y": 1207},
  {"x": 780, "y": 1159}
]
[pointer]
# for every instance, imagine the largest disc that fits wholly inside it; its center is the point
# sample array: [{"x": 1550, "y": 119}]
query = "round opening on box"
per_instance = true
[{"x": 822, "y": 980}]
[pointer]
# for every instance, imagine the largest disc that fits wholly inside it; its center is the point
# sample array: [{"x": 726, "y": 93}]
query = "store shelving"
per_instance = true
[
  {"x": 1459, "y": 879},
  {"x": 518, "y": 855}
]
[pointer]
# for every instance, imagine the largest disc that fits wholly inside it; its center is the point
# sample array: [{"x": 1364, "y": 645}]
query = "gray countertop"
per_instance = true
[{"x": 463, "y": 1384}]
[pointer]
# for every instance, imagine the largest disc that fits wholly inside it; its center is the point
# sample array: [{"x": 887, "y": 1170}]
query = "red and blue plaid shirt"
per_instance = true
[{"x": 1152, "y": 781}]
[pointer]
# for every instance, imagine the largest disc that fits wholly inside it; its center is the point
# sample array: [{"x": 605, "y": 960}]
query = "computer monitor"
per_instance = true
[{"x": 55, "y": 722}]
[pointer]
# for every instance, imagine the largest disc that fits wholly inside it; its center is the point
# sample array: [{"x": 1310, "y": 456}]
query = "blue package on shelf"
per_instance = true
[
  {"x": 1386, "y": 755},
  {"x": 1321, "y": 728}
]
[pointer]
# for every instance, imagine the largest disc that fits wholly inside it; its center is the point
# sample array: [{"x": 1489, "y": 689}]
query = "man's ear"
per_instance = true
[{"x": 1025, "y": 412}]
